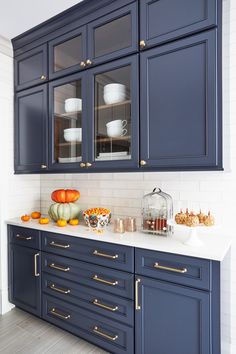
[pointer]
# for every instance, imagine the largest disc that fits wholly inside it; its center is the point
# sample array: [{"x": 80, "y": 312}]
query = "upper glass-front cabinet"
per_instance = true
[
  {"x": 67, "y": 128},
  {"x": 67, "y": 53},
  {"x": 113, "y": 35},
  {"x": 114, "y": 112}
]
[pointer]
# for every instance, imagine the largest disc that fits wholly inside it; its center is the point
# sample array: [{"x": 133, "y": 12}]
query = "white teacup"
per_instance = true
[
  {"x": 116, "y": 129},
  {"x": 73, "y": 105}
]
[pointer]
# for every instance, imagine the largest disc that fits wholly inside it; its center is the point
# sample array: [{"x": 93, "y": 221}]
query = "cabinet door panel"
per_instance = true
[
  {"x": 68, "y": 123},
  {"x": 113, "y": 114},
  {"x": 180, "y": 119},
  {"x": 164, "y": 20},
  {"x": 31, "y": 117},
  {"x": 114, "y": 35},
  {"x": 67, "y": 52},
  {"x": 172, "y": 319},
  {"x": 31, "y": 68},
  {"x": 25, "y": 286}
]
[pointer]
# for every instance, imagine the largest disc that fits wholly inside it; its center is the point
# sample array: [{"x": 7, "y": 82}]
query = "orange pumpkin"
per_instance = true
[
  {"x": 36, "y": 215},
  {"x": 43, "y": 221},
  {"x": 74, "y": 222},
  {"x": 65, "y": 195},
  {"x": 25, "y": 217},
  {"x": 61, "y": 222}
]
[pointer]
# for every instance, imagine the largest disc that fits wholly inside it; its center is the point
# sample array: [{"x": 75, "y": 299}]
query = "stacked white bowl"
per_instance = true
[
  {"x": 73, "y": 134},
  {"x": 114, "y": 93},
  {"x": 73, "y": 105}
]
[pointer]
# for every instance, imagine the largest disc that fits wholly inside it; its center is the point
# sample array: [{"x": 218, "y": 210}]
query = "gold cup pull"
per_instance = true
[
  {"x": 44, "y": 166},
  {"x": 113, "y": 283},
  {"x": 59, "y": 290},
  {"x": 54, "y": 266},
  {"x": 142, "y": 44},
  {"x": 176, "y": 270},
  {"x": 143, "y": 162},
  {"x": 82, "y": 64},
  {"x": 137, "y": 306},
  {"x": 88, "y": 164},
  {"x": 104, "y": 306},
  {"x": 105, "y": 335},
  {"x": 36, "y": 273},
  {"x": 24, "y": 237},
  {"x": 88, "y": 62},
  {"x": 63, "y": 316},
  {"x": 82, "y": 165},
  {"x": 54, "y": 244},
  {"x": 99, "y": 254},
  {"x": 43, "y": 77}
]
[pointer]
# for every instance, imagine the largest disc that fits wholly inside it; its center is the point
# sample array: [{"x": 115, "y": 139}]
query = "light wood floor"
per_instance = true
[{"x": 25, "y": 334}]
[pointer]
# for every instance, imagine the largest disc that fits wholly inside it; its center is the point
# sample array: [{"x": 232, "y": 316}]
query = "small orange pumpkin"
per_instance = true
[
  {"x": 43, "y": 221},
  {"x": 74, "y": 222},
  {"x": 65, "y": 195},
  {"x": 35, "y": 215},
  {"x": 25, "y": 217},
  {"x": 61, "y": 222}
]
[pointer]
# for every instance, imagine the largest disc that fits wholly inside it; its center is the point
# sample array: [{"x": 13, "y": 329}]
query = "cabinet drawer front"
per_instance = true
[
  {"x": 24, "y": 236},
  {"x": 158, "y": 24},
  {"x": 104, "y": 304},
  {"x": 108, "y": 334},
  {"x": 183, "y": 270},
  {"x": 102, "y": 253},
  {"x": 101, "y": 278}
]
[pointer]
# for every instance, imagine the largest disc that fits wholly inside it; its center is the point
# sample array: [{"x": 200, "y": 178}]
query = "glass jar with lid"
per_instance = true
[{"x": 157, "y": 209}]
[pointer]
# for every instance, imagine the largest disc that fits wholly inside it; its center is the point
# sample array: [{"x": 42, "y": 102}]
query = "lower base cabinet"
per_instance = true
[
  {"x": 160, "y": 304},
  {"x": 171, "y": 319}
]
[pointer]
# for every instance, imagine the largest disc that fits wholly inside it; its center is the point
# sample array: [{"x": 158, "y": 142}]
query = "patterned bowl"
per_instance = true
[{"x": 97, "y": 218}]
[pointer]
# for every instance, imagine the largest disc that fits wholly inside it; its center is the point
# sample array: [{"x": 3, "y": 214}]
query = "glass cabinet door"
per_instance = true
[
  {"x": 113, "y": 35},
  {"x": 67, "y": 53},
  {"x": 67, "y": 127},
  {"x": 115, "y": 114}
]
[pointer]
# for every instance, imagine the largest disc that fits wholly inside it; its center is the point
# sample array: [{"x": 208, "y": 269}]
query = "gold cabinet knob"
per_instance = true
[
  {"x": 82, "y": 64},
  {"x": 143, "y": 162},
  {"x": 82, "y": 165},
  {"x": 88, "y": 62},
  {"x": 43, "y": 77},
  {"x": 88, "y": 164},
  {"x": 142, "y": 44},
  {"x": 44, "y": 166}
]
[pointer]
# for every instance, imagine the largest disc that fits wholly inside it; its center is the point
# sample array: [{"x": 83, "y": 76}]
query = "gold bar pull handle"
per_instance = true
[
  {"x": 54, "y": 266},
  {"x": 59, "y": 245},
  {"x": 36, "y": 273},
  {"x": 176, "y": 270},
  {"x": 59, "y": 290},
  {"x": 100, "y": 254},
  {"x": 137, "y": 306},
  {"x": 63, "y": 316},
  {"x": 106, "y": 307},
  {"x": 24, "y": 237},
  {"x": 104, "y": 335},
  {"x": 113, "y": 283}
]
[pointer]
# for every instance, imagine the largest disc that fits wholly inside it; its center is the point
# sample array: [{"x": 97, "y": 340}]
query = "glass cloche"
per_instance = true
[{"x": 157, "y": 209}]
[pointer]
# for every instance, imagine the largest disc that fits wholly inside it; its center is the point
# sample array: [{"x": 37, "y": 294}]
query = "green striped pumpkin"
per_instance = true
[{"x": 64, "y": 211}]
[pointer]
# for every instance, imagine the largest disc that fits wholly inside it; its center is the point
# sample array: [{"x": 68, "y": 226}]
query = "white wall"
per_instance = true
[
  {"x": 122, "y": 192},
  {"x": 18, "y": 194}
]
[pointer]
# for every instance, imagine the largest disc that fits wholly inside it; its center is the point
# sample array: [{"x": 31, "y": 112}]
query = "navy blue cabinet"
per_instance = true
[
  {"x": 24, "y": 278},
  {"x": 31, "y": 130},
  {"x": 165, "y": 20},
  {"x": 171, "y": 319},
  {"x": 180, "y": 105},
  {"x": 31, "y": 67},
  {"x": 113, "y": 35}
]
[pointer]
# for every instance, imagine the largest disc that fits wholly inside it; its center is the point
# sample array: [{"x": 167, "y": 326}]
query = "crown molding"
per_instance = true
[{"x": 6, "y": 46}]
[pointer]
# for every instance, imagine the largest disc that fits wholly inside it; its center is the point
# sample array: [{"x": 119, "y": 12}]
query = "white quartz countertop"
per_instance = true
[{"x": 215, "y": 243}]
